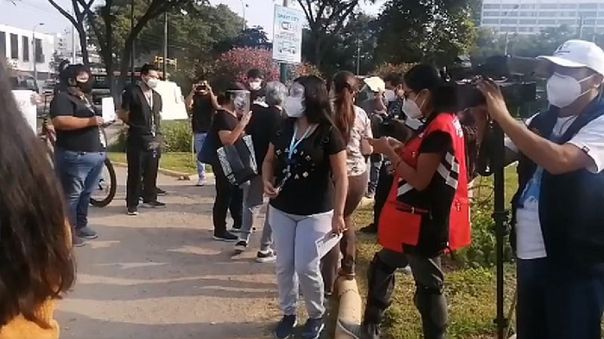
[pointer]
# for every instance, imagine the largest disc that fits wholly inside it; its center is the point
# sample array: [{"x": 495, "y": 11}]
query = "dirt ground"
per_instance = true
[{"x": 159, "y": 275}]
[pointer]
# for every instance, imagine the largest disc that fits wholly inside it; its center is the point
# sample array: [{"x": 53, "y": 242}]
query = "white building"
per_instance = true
[
  {"x": 532, "y": 16},
  {"x": 20, "y": 49}
]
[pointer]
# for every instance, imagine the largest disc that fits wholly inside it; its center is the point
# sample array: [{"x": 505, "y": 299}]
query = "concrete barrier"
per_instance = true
[{"x": 350, "y": 309}]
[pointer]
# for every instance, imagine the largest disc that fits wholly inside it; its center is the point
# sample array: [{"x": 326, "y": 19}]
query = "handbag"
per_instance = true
[
  {"x": 207, "y": 153},
  {"x": 238, "y": 161}
]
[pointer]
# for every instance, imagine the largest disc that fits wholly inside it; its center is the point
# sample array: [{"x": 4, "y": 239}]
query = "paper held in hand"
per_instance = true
[
  {"x": 108, "y": 109},
  {"x": 327, "y": 242}
]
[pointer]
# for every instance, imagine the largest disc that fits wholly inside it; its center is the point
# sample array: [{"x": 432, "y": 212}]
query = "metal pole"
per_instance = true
[
  {"x": 33, "y": 42},
  {"x": 165, "y": 46},
  {"x": 283, "y": 66},
  {"x": 243, "y": 6},
  {"x": 132, "y": 43},
  {"x": 507, "y": 42},
  {"x": 73, "y": 45},
  {"x": 358, "y": 56}
]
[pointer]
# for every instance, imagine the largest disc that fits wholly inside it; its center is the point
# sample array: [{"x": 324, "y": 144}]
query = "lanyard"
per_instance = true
[{"x": 295, "y": 143}]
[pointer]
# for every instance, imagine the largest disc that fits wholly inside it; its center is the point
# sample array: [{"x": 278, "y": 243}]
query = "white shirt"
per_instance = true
[
  {"x": 529, "y": 239},
  {"x": 361, "y": 129}
]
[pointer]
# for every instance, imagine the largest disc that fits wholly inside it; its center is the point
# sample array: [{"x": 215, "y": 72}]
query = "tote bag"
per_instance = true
[
  {"x": 207, "y": 154},
  {"x": 238, "y": 161}
]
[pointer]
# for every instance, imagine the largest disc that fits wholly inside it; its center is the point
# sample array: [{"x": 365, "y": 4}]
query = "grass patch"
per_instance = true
[
  {"x": 470, "y": 289},
  {"x": 176, "y": 161}
]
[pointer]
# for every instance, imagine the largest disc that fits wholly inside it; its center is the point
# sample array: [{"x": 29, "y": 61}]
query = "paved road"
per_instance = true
[{"x": 158, "y": 275}]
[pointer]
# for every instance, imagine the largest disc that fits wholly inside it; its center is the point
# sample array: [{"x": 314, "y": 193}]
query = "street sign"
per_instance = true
[{"x": 287, "y": 35}]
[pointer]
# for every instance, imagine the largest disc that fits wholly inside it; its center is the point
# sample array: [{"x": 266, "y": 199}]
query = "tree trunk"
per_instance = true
[
  {"x": 125, "y": 62},
  {"x": 83, "y": 44},
  {"x": 318, "y": 51}
]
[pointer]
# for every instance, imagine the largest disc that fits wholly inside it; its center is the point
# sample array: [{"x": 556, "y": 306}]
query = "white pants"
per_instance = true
[{"x": 298, "y": 259}]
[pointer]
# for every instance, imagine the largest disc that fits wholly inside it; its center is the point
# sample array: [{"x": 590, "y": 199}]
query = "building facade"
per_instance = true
[
  {"x": 532, "y": 16},
  {"x": 21, "y": 50}
]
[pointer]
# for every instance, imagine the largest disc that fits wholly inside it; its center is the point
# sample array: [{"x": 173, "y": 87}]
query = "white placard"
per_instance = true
[
  {"x": 287, "y": 34},
  {"x": 173, "y": 105},
  {"x": 108, "y": 109},
  {"x": 26, "y": 103}
]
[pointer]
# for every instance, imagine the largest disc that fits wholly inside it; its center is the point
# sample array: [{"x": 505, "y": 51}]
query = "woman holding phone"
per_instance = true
[{"x": 304, "y": 174}]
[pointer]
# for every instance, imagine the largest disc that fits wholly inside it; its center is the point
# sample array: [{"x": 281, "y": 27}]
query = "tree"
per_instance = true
[
  {"x": 234, "y": 64},
  {"x": 81, "y": 13},
  {"x": 434, "y": 31},
  {"x": 325, "y": 18}
]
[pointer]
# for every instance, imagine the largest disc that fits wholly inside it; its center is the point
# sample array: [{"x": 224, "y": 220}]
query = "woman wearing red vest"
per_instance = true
[{"x": 427, "y": 211}]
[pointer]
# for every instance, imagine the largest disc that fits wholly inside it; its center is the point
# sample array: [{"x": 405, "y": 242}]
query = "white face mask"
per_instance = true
[
  {"x": 294, "y": 107},
  {"x": 152, "y": 83},
  {"x": 389, "y": 95},
  {"x": 255, "y": 85},
  {"x": 563, "y": 90},
  {"x": 411, "y": 109}
]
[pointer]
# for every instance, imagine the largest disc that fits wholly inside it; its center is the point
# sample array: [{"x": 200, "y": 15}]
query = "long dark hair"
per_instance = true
[
  {"x": 36, "y": 262},
  {"x": 443, "y": 97},
  {"x": 345, "y": 88},
  {"x": 316, "y": 100}
]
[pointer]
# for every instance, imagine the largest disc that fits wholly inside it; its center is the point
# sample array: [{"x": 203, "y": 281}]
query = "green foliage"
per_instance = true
[
  {"x": 387, "y": 68},
  {"x": 178, "y": 136},
  {"x": 425, "y": 31}
]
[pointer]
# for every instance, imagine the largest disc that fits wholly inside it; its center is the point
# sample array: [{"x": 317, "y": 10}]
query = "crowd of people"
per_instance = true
[{"x": 320, "y": 147}]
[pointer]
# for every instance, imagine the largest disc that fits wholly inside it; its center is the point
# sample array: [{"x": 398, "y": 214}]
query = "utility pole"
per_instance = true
[
  {"x": 73, "y": 45},
  {"x": 358, "y": 56},
  {"x": 33, "y": 41},
  {"x": 132, "y": 43},
  {"x": 283, "y": 65},
  {"x": 164, "y": 68}
]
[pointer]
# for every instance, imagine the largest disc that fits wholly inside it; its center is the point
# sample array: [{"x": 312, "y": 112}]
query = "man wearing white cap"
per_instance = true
[{"x": 558, "y": 210}]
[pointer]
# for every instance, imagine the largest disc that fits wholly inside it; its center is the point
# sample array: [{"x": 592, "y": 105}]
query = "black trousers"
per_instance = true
[
  {"x": 228, "y": 197},
  {"x": 381, "y": 193},
  {"x": 142, "y": 174},
  {"x": 429, "y": 298}
]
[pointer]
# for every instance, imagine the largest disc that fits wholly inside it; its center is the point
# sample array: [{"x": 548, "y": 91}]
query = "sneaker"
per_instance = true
[
  {"x": 201, "y": 182},
  {"x": 77, "y": 241},
  {"x": 313, "y": 328},
  {"x": 86, "y": 233},
  {"x": 132, "y": 211},
  {"x": 286, "y": 326},
  {"x": 153, "y": 204},
  {"x": 227, "y": 237},
  {"x": 160, "y": 192},
  {"x": 235, "y": 229},
  {"x": 240, "y": 246},
  {"x": 369, "y": 229},
  {"x": 264, "y": 257}
]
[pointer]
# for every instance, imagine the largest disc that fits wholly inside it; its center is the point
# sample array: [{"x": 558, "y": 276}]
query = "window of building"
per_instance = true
[
  {"x": 547, "y": 21},
  {"x": 490, "y": 6},
  {"x": 567, "y": 22},
  {"x": 508, "y": 21},
  {"x": 527, "y": 14},
  {"x": 548, "y": 6},
  {"x": 588, "y": 14},
  {"x": 2, "y": 45},
  {"x": 527, "y": 6},
  {"x": 593, "y": 5},
  {"x": 25, "y": 43},
  {"x": 491, "y": 13},
  {"x": 589, "y": 21},
  {"x": 490, "y": 21},
  {"x": 527, "y": 21},
  {"x": 509, "y": 6},
  {"x": 546, "y": 14},
  {"x": 568, "y": 6},
  {"x": 14, "y": 46},
  {"x": 38, "y": 51}
]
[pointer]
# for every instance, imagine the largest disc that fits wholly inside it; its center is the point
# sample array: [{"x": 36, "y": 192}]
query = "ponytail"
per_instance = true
[{"x": 345, "y": 88}]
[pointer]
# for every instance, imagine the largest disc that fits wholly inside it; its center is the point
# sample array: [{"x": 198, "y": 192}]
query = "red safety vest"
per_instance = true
[{"x": 401, "y": 223}]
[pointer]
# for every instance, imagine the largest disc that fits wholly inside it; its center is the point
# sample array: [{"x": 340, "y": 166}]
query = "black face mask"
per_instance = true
[{"x": 85, "y": 87}]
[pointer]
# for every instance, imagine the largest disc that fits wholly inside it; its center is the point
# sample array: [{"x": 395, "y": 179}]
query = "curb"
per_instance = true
[{"x": 167, "y": 172}]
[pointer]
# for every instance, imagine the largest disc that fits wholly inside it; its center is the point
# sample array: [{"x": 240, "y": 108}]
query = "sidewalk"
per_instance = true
[{"x": 159, "y": 275}]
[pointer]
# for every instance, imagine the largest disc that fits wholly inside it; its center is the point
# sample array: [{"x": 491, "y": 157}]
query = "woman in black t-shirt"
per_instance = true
[
  {"x": 304, "y": 173},
  {"x": 226, "y": 129}
]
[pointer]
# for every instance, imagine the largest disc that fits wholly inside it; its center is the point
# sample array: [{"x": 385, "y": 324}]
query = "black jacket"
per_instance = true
[{"x": 142, "y": 117}]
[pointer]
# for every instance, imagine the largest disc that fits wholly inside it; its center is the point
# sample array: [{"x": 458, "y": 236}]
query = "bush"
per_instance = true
[
  {"x": 385, "y": 69},
  {"x": 178, "y": 136}
]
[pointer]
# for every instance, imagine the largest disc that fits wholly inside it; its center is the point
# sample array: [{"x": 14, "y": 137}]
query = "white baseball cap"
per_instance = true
[{"x": 577, "y": 54}]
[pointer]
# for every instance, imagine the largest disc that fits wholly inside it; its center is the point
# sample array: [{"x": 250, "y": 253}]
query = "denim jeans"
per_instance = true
[
  {"x": 200, "y": 138},
  {"x": 374, "y": 172},
  {"x": 559, "y": 301},
  {"x": 79, "y": 174}
]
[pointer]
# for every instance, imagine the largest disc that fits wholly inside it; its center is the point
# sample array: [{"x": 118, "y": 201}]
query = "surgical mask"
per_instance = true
[
  {"x": 389, "y": 95},
  {"x": 563, "y": 90},
  {"x": 411, "y": 109},
  {"x": 255, "y": 85},
  {"x": 84, "y": 86},
  {"x": 152, "y": 83},
  {"x": 294, "y": 107}
]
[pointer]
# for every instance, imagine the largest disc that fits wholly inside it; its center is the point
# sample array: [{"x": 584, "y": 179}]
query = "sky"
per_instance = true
[{"x": 27, "y": 13}]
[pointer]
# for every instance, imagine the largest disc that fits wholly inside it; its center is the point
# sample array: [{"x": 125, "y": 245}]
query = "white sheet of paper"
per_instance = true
[
  {"x": 173, "y": 106},
  {"x": 27, "y": 106},
  {"x": 108, "y": 108},
  {"x": 327, "y": 242}
]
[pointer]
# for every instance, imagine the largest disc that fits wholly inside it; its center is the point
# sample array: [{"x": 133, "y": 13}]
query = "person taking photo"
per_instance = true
[
  {"x": 557, "y": 222},
  {"x": 202, "y": 105}
]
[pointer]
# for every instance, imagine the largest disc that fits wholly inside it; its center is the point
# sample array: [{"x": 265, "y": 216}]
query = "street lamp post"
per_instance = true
[
  {"x": 33, "y": 43},
  {"x": 283, "y": 66},
  {"x": 507, "y": 40},
  {"x": 243, "y": 6}
]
